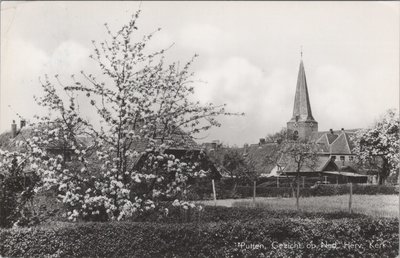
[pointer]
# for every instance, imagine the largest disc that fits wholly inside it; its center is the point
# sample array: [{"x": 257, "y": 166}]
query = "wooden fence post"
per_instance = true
[
  {"x": 351, "y": 197},
  {"x": 303, "y": 181},
  {"x": 254, "y": 194},
  {"x": 277, "y": 182},
  {"x": 215, "y": 195}
]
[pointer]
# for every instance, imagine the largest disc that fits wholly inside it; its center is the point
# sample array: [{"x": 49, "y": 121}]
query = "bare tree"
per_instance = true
[{"x": 297, "y": 156}]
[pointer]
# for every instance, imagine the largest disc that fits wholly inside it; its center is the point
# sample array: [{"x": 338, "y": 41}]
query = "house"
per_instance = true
[{"x": 181, "y": 145}]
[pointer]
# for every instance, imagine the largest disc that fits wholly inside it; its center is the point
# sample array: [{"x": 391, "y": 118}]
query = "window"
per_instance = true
[
  {"x": 333, "y": 158},
  {"x": 342, "y": 159},
  {"x": 351, "y": 158},
  {"x": 295, "y": 135}
]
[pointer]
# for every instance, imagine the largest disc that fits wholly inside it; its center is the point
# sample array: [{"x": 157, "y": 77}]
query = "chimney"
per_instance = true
[
  {"x": 262, "y": 141},
  {"x": 14, "y": 129},
  {"x": 22, "y": 123},
  {"x": 245, "y": 149},
  {"x": 331, "y": 131}
]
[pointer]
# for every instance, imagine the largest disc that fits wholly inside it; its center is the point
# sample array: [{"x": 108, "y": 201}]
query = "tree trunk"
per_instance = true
[
  {"x": 254, "y": 194},
  {"x": 351, "y": 197},
  {"x": 385, "y": 172}
]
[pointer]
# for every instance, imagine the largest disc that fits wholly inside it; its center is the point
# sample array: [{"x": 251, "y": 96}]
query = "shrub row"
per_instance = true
[
  {"x": 320, "y": 190},
  {"x": 225, "y": 190},
  {"x": 362, "y": 237},
  {"x": 220, "y": 213}
]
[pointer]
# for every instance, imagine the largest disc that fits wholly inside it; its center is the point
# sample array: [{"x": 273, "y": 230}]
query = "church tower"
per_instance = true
[{"x": 302, "y": 125}]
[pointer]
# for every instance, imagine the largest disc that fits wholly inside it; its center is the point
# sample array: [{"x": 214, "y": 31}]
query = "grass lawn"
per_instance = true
[{"x": 373, "y": 205}]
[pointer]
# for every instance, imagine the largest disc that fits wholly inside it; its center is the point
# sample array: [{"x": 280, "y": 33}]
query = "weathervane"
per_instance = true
[{"x": 301, "y": 52}]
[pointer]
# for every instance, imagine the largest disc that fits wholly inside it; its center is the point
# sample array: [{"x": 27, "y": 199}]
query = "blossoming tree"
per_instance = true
[
  {"x": 378, "y": 146},
  {"x": 138, "y": 99}
]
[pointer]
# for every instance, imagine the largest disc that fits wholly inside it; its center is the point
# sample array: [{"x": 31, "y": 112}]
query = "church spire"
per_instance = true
[
  {"x": 302, "y": 107},
  {"x": 302, "y": 125}
]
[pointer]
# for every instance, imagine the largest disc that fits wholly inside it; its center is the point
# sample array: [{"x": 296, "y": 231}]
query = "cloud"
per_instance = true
[
  {"x": 200, "y": 37},
  {"x": 23, "y": 64},
  {"x": 69, "y": 57},
  {"x": 339, "y": 100},
  {"x": 265, "y": 97}
]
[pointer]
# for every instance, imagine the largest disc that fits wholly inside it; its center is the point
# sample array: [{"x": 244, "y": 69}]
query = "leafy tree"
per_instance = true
[
  {"x": 378, "y": 147},
  {"x": 277, "y": 137},
  {"x": 137, "y": 99}
]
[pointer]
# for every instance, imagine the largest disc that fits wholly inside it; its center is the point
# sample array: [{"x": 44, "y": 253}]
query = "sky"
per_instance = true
[{"x": 249, "y": 55}]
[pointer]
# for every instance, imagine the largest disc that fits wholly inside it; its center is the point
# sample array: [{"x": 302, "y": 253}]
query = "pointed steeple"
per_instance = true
[
  {"x": 302, "y": 107},
  {"x": 302, "y": 124}
]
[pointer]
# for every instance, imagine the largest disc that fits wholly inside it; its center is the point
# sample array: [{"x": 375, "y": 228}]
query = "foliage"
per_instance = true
[
  {"x": 277, "y": 137},
  {"x": 119, "y": 167},
  {"x": 16, "y": 190},
  {"x": 373, "y": 237},
  {"x": 324, "y": 190},
  {"x": 319, "y": 190},
  {"x": 379, "y": 147}
]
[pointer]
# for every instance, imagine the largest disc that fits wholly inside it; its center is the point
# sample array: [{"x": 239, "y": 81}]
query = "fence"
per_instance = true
[{"x": 227, "y": 189}]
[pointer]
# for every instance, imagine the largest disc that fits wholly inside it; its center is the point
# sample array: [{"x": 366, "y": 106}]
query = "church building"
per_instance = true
[{"x": 335, "y": 158}]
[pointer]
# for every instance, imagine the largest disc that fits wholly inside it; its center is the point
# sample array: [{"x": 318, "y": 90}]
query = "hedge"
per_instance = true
[
  {"x": 220, "y": 213},
  {"x": 226, "y": 190},
  {"x": 285, "y": 237},
  {"x": 319, "y": 190}
]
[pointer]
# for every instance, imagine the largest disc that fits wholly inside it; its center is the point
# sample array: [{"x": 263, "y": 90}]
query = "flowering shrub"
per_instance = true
[
  {"x": 119, "y": 167},
  {"x": 378, "y": 148}
]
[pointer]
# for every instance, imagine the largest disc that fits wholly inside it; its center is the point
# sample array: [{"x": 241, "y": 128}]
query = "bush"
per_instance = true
[
  {"x": 319, "y": 190},
  {"x": 220, "y": 213},
  {"x": 16, "y": 190},
  {"x": 327, "y": 190},
  {"x": 247, "y": 191},
  {"x": 223, "y": 239},
  {"x": 225, "y": 189}
]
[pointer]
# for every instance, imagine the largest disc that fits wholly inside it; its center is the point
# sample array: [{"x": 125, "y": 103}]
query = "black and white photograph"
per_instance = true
[{"x": 199, "y": 129}]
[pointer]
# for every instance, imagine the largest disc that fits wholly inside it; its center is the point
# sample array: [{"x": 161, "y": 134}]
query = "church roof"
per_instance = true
[{"x": 302, "y": 107}]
